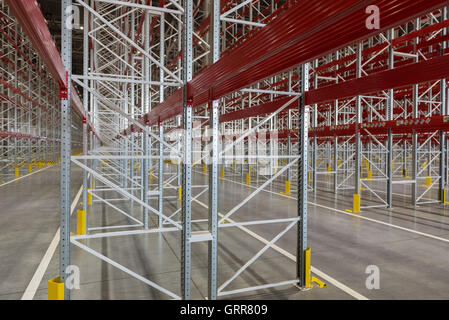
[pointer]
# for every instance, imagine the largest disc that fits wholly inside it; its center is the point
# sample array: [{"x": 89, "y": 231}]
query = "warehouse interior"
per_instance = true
[{"x": 224, "y": 149}]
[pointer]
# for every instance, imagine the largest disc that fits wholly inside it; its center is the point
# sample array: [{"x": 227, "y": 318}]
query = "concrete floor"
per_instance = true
[
  {"x": 29, "y": 218},
  {"x": 410, "y": 246}
]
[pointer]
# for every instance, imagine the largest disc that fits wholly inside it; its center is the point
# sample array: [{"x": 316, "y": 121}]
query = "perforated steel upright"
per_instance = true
[
  {"x": 66, "y": 54},
  {"x": 187, "y": 61},
  {"x": 213, "y": 166},
  {"x": 303, "y": 127}
]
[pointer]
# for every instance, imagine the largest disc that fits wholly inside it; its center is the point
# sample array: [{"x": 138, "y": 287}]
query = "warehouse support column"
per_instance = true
[
  {"x": 16, "y": 106},
  {"x": 358, "y": 146},
  {"x": 442, "y": 167},
  {"x": 85, "y": 152},
  {"x": 86, "y": 108},
  {"x": 314, "y": 124},
  {"x": 132, "y": 88},
  {"x": 179, "y": 180},
  {"x": 214, "y": 36},
  {"x": 92, "y": 100},
  {"x": 303, "y": 123},
  {"x": 289, "y": 153},
  {"x": 404, "y": 159},
  {"x": 213, "y": 196},
  {"x": 249, "y": 142},
  {"x": 146, "y": 109},
  {"x": 187, "y": 42},
  {"x": 390, "y": 169},
  {"x": 336, "y": 122},
  {"x": 415, "y": 100},
  {"x": 161, "y": 128},
  {"x": 414, "y": 167},
  {"x": 335, "y": 161},
  {"x": 161, "y": 175},
  {"x": 443, "y": 138},
  {"x": 314, "y": 160},
  {"x": 223, "y": 163},
  {"x": 389, "y": 117},
  {"x": 443, "y": 111},
  {"x": 56, "y": 287}
]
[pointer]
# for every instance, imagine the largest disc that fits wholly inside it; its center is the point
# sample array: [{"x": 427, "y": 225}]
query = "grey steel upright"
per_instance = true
[
  {"x": 66, "y": 54},
  {"x": 443, "y": 112},
  {"x": 414, "y": 134},
  {"x": 86, "y": 105},
  {"x": 213, "y": 166},
  {"x": 303, "y": 124},
  {"x": 187, "y": 52},
  {"x": 358, "y": 144},
  {"x": 145, "y": 109},
  {"x": 389, "y": 117},
  {"x": 161, "y": 175}
]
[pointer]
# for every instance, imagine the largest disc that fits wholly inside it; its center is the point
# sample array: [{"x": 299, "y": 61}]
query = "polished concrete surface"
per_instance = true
[
  {"x": 29, "y": 218},
  {"x": 409, "y": 245}
]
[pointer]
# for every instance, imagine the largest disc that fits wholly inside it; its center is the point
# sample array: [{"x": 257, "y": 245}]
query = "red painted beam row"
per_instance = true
[
  {"x": 10, "y": 100},
  {"x": 260, "y": 110},
  {"x": 16, "y": 46},
  {"x": 376, "y": 128},
  {"x": 17, "y": 91},
  {"x": 364, "y": 139},
  {"x": 400, "y": 126},
  {"x": 33, "y": 23},
  {"x": 378, "y": 67},
  {"x": 267, "y": 14},
  {"x": 307, "y": 30},
  {"x": 397, "y": 42},
  {"x": 281, "y": 85},
  {"x": 271, "y": 106},
  {"x": 18, "y": 135},
  {"x": 414, "y": 73}
]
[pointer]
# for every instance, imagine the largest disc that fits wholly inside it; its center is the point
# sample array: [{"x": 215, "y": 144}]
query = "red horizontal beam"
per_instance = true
[
  {"x": 30, "y": 17},
  {"x": 383, "y": 139},
  {"x": 10, "y": 100},
  {"x": 16, "y": 46},
  {"x": 307, "y": 30},
  {"x": 33, "y": 23},
  {"x": 17, "y": 91},
  {"x": 414, "y": 73},
  {"x": 18, "y": 135},
  {"x": 400, "y": 126},
  {"x": 396, "y": 43},
  {"x": 260, "y": 110},
  {"x": 271, "y": 106},
  {"x": 380, "y": 62}
]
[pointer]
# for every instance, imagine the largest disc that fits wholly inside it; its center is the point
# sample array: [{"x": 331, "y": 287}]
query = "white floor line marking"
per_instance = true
[
  {"x": 27, "y": 175},
  {"x": 381, "y": 191},
  {"x": 354, "y": 215},
  {"x": 401, "y": 195},
  {"x": 393, "y": 193},
  {"x": 30, "y": 291},
  {"x": 314, "y": 270}
]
